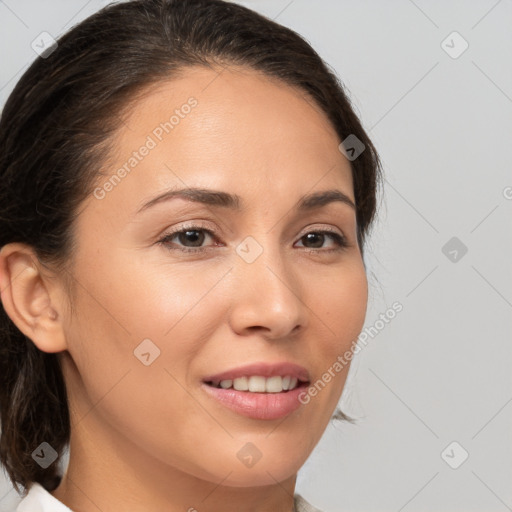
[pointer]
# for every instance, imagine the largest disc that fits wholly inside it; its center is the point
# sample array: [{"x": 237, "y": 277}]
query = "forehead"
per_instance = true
[{"x": 226, "y": 128}]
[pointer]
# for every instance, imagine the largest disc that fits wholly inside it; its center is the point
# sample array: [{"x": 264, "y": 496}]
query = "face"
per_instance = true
[{"x": 175, "y": 296}]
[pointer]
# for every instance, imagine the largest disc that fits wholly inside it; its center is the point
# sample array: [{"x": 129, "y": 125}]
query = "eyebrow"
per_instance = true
[{"x": 221, "y": 199}]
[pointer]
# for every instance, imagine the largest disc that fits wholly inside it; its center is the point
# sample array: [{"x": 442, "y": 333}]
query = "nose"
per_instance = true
[{"x": 268, "y": 296}]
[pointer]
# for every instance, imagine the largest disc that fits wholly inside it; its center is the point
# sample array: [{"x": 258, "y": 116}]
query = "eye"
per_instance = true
[
  {"x": 317, "y": 238},
  {"x": 193, "y": 235},
  {"x": 191, "y": 238}
]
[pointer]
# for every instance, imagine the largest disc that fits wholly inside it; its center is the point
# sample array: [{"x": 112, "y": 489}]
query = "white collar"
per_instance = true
[{"x": 38, "y": 499}]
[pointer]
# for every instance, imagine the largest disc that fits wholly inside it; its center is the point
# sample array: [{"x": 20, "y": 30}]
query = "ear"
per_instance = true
[{"x": 29, "y": 297}]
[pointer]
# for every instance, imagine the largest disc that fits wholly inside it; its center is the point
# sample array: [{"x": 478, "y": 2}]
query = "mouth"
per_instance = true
[
  {"x": 259, "y": 391},
  {"x": 259, "y": 384}
]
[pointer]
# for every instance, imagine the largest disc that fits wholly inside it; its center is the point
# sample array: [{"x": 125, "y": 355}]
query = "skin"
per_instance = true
[{"x": 148, "y": 437}]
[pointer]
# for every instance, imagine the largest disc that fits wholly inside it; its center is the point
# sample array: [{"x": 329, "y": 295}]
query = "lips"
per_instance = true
[
  {"x": 263, "y": 370},
  {"x": 259, "y": 404}
]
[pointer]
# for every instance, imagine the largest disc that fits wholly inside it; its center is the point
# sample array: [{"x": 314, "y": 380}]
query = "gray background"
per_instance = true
[{"x": 440, "y": 371}]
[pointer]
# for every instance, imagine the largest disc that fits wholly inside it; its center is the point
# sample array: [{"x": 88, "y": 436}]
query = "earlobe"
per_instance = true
[{"x": 26, "y": 295}]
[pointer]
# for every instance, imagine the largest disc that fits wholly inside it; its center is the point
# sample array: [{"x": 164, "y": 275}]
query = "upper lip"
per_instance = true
[{"x": 263, "y": 370}]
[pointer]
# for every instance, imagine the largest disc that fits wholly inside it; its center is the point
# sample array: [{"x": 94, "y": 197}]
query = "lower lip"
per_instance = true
[{"x": 259, "y": 406}]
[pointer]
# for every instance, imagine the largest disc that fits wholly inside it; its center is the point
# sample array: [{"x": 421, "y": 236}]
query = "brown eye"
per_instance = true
[
  {"x": 190, "y": 239},
  {"x": 316, "y": 239},
  {"x": 195, "y": 237}
]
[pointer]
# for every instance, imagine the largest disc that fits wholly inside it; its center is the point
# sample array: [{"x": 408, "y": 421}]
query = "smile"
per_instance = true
[
  {"x": 258, "y": 384},
  {"x": 260, "y": 391}
]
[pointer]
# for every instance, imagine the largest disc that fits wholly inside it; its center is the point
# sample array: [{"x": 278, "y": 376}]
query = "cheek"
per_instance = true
[
  {"x": 344, "y": 301},
  {"x": 142, "y": 402},
  {"x": 340, "y": 307},
  {"x": 144, "y": 296},
  {"x": 176, "y": 307},
  {"x": 127, "y": 307}
]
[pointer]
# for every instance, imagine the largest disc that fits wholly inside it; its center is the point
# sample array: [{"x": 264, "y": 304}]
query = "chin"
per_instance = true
[
  {"x": 259, "y": 475},
  {"x": 246, "y": 468}
]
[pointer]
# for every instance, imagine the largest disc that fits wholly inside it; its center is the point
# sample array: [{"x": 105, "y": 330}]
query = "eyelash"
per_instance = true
[{"x": 340, "y": 240}]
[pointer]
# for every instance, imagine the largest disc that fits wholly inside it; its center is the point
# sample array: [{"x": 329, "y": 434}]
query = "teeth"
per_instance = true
[
  {"x": 273, "y": 384},
  {"x": 258, "y": 384},
  {"x": 226, "y": 384},
  {"x": 241, "y": 384}
]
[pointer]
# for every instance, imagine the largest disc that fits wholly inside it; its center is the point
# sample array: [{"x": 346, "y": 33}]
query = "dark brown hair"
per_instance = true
[{"x": 55, "y": 131}]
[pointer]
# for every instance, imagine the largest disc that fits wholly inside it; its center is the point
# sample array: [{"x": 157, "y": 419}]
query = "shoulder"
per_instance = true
[{"x": 38, "y": 499}]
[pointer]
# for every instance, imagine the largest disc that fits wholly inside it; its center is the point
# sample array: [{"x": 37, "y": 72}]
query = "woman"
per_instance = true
[{"x": 186, "y": 193}]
